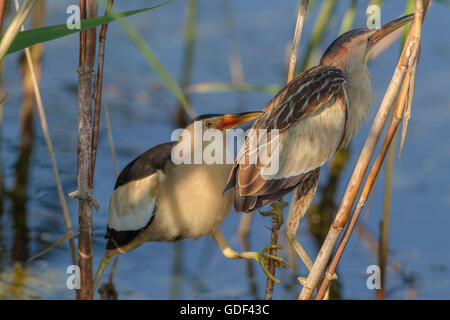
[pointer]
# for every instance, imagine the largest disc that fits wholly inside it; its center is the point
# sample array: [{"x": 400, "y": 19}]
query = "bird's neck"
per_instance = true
[
  {"x": 358, "y": 82},
  {"x": 359, "y": 90}
]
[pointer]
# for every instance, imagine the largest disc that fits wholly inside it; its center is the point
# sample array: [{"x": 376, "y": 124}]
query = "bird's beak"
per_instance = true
[
  {"x": 389, "y": 28},
  {"x": 230, "y": 121}
]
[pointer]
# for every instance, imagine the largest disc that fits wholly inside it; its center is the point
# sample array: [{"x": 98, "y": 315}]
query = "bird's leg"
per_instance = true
[
  {"x": 277, "y": 210},
  {"x": 244, "y": 226},
  {"x": 303, "y": 196},
  {"x": 262, "y": 257},
  {"x": 106, "y": 260}
]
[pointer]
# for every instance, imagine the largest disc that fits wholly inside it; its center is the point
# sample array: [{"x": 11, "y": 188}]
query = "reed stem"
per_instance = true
[
  {"x": 276, "y": 225},
  {"x": 88, "y": 9},
  {"x": 404, "y": 71}
]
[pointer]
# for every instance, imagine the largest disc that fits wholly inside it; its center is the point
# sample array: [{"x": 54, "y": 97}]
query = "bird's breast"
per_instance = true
[
  {"x": 311, "y": 142},
  {"x": 191, "y": 204}
]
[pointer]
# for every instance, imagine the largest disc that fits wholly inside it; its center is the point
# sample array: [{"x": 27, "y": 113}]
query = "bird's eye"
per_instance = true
[{"x": 209, "y": 124}]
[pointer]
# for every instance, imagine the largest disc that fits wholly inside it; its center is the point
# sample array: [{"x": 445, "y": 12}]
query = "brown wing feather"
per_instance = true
[
  {"x": 304, "y": 95},
  {"x": 308, "y": 93}
]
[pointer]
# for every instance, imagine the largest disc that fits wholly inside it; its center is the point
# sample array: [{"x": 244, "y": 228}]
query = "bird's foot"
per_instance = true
[
  {"x": 263, "y": 259},
  {"x": 277, "y": 210},
  {"x": 302, "y": 280},
  {"x": 330, "y": 277}
]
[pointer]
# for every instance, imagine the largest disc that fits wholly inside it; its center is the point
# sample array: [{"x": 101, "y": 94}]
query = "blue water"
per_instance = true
[{"x": 141, "y": 111}]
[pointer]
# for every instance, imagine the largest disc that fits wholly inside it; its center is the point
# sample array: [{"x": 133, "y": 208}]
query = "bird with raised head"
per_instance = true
[
  {"x": 173, "y": 192},
  {"x": 315, "y": 114}
]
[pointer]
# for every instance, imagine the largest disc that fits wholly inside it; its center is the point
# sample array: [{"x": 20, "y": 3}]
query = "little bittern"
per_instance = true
[
  {"x": 157, "y": 199},
  {"x": 316, "y": 113}
]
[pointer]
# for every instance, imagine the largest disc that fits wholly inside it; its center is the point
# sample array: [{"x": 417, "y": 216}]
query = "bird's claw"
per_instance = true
[
  {"x": 331, "y": 277},
  {"x": 277, "y": 210},
  {"x": 263, "y": 259},
  {"x": 302, "y": 280}
]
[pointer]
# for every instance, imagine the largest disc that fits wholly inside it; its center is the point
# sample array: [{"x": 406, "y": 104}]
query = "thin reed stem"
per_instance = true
[
  {"x": 49, "y": 144},
  {"x": 319, "y": 28},
  {"x": 387, "y": 192},
  {"x": 2, "y": 13},
  {"x": 155, "y": 64},
  {"x": 407, "y": 114},
  {"x": 301, "y": 16},
  {"x": 15, "y": 25},
  {"x": 384, "y": 225},
  {"x": 111, "y": 141},
  {"x": 276, "y": 225},
  {"x": 349, "y": 17},
  {"x": 98, "y": 90},
  {"x": 88, "y": 9},
  {"x": 190, "y": 36},
  {"x": 235, "y": 61}
]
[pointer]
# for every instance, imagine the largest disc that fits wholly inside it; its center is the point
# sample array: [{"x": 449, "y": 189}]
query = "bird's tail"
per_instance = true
[{"x": 231, "y": 180}]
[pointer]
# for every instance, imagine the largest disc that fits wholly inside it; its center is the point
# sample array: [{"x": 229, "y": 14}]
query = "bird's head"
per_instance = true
[
  {"x": 209, "y": 132},
  {"x": 351, "y": 48},
  {"x": 226, "y": 121}
]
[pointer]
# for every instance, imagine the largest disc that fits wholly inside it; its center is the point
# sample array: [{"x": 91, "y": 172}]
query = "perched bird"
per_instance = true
[
  {"x": 315, "y": 114},
  {"x": 171, "y": 193}
]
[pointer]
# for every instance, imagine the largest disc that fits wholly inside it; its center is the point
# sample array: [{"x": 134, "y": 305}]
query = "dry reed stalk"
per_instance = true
[
  {"x": 110, "y": 293},
  {"x": 190, "y": 37},
  {"x": 27, "y": 107},
  {"x": 116, "y": 173},
  {"x": 2, "y": 13},
  {"x": 276, "y": 225},
  {"x": 404, "y": 98},
  {"x": 368, "y": 186},
  {"x": 385, "y": 221},
  {"x": 49, "y": 144},
  {"x": 319, "y": 28},
  {"x": 15, "y": 25},
  {"x": 407, "y": 114},
  {"x": 88, "y": 9},
  {"x": 387, "y": 190},
  {"x": 235, "y": 61},
  {"x": 301, "y": 16},
  {"x": 19, "y": 191},
  {"x": 408, "y": 61},
  {"x": 271, "y": 265},
  {"x": 111, "y": 141},
  {"x": 236, "y": 73},
  {"x": 98, "y": 90},
  {"x": 237, "y": 76},
  {"x": 3, "y": 97},
  {"x": 60, "y": 241}
]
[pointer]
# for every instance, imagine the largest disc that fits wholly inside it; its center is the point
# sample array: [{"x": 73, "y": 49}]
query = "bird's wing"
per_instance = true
[
  {"x": 308, "y": 93},
  {"x": 133, "y": 202},
  {"x": 283, "y": 160}
]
